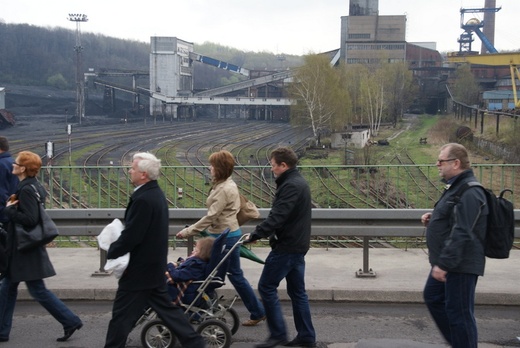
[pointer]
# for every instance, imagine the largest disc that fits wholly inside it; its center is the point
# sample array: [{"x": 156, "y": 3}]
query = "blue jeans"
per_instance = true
[
  {"x": 451, "y": 304},
  {"x": 241, "y": 285},
  {"x": 291, "y": 267},
  {"x": 38, "y": 291}
]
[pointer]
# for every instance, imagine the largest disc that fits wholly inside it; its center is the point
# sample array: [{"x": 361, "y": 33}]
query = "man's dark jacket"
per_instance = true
[
  {"x": 456, "y": 231},
  {"x": 145, "y": 237},
  {"x": 288, "y": 224},
  {"x": 8, "y": 182}
]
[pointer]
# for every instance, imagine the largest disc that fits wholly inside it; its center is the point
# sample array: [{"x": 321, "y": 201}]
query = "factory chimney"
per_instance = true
[{"x": 489, "y": 25}]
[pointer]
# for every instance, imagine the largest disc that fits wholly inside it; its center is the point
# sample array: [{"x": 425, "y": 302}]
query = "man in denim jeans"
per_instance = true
[
  {"x": 288, "y": 228},
  {"x": 454, "y": 233}
]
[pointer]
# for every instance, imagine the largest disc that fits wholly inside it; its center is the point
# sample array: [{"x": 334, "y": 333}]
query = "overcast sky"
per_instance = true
[{"x": 278, "y": 26}]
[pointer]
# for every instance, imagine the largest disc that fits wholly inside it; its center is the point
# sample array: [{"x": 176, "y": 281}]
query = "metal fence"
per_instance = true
[
  {"x": 365, "y": 224},
  {"x": 342, "y": 187}
]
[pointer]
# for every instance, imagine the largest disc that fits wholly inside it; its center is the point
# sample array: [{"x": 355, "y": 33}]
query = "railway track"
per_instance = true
[{"x": 190, "y": 144}]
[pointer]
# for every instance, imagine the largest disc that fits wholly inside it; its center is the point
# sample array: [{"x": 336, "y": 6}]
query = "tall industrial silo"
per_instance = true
[
  {"x": 489, "y": 25},
  {"x": 171, "y": 72}
]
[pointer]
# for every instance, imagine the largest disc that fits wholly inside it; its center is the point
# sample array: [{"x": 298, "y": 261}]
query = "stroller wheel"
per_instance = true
[
  {"x": 156, "y": 335},
  {"x": 216, "y": 333},
  {"x": 229, "y": 316}
]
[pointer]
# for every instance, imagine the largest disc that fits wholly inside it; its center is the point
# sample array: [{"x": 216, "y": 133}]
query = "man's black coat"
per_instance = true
[{"x": 145, "y": 237}]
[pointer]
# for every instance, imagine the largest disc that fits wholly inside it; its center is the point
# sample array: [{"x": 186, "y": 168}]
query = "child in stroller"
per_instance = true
[
  {"x": 216, "y": 321},
  {"x": 182, "y": 273}
]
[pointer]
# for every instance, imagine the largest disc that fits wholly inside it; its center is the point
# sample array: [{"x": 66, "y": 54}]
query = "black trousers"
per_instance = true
[{"x": 130, "y": 305}]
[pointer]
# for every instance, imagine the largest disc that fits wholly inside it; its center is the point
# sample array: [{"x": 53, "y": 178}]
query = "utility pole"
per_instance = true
[{"x": 80, "y": 88}]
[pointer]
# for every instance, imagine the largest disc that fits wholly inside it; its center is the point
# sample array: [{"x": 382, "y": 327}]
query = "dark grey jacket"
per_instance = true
[
  {"x": 32, "y": 264},
  {"x": 455, "y": 231},
  {"x": 288, "y": 224},
  {"x": 8, "y": 182}
]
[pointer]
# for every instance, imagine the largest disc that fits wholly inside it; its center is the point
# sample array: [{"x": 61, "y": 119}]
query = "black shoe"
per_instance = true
[
  {"x": 69, "y": 333},
  {"x": 4, "y": 339},
  {"x": 272, "y": 342},
  {"x": 299, "y": 343}
]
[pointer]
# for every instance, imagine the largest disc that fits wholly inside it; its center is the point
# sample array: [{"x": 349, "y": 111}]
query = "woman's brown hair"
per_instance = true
[
  {"x": 31, "y": 161},
  {"x": 223, "y": 164}
]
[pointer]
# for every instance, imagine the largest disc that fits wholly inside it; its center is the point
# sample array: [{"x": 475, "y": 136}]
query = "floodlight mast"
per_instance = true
[{"x": 80, "y": 92}]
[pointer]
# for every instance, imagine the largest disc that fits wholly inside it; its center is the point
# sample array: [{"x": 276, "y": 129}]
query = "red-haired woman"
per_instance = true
[{"x": 33, "y": 265}]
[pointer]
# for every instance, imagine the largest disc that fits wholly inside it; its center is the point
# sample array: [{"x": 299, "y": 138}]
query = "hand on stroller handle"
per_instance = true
[{"x": 245, "y": 239}]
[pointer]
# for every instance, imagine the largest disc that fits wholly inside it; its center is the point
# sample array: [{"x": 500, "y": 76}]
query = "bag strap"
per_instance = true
[
  {"x": 459, "y": 194},
  {"x": 37, "y": 193},
  {"x": 464, "y": 187},
  {"x": 39, "y": 201}
]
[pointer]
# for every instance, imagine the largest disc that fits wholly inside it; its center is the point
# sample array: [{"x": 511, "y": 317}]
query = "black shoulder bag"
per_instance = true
[{"x": 41, "y": 234}]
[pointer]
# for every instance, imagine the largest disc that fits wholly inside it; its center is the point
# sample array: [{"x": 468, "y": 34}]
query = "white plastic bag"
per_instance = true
[{"x": 110, "y": 234}]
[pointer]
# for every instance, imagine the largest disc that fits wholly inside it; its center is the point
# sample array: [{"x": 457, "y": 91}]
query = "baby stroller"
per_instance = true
[{"x": 215, "y": 319}]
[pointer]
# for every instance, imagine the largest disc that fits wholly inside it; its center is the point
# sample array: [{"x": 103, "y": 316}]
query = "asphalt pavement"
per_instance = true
[{"x": 394, "y": 276}]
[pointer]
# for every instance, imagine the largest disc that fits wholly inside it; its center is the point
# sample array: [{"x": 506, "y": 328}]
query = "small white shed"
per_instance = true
[{"x": 357, "y": 139}]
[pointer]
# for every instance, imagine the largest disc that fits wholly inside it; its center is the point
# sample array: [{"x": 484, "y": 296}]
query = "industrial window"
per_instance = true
[
  {"x": 376, "y": 47},
  {"x": 359, "y": 36},
  {"x": 357, "y": 61}
]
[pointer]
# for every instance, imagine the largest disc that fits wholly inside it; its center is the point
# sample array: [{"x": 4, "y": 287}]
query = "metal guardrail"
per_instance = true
[
  {"x": 334, "y": 186},
  {"x": 364, "y": 223}
]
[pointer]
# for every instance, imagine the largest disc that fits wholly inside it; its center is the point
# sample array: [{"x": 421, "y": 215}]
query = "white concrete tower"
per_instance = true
[{"x": 171, "y": 72}]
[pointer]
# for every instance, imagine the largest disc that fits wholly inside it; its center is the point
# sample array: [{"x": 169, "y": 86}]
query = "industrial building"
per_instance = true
[
  {"x": 369, "y": 38},
  {"x": 172, "y": 90},
  {"x": 366, "y": 38}
]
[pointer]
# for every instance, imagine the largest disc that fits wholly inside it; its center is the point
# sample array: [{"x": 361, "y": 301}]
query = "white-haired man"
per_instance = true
[{"x": 145, "y": 237}]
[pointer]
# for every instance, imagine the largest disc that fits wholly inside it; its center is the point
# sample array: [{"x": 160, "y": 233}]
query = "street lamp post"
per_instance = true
[{"x": 80, "y": 93}]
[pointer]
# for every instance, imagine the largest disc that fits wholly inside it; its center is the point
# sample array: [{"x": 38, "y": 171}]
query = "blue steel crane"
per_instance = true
[{"x": 473, "y": 25}]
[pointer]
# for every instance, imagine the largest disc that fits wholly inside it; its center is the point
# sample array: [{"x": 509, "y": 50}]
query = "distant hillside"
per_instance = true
[{"x": 37, "y": 56}]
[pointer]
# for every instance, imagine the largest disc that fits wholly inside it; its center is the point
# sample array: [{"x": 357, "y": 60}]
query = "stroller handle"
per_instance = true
[{"x": 243, "y": 238}]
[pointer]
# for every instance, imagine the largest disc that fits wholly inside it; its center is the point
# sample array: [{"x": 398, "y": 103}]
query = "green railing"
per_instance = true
[{"x": 372, "y": 187}]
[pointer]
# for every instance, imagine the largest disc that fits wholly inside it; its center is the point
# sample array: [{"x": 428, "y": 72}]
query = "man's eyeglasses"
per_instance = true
[
  {"x": 18, "y": 164},
  {"x": 441, "y": 161}
]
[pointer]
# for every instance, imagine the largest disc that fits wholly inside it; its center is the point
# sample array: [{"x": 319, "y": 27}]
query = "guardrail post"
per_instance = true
[
  {"x": 365, "y": 272},
  {"x": 189, "y": 247},
  {"x": 102, "y": 262}
]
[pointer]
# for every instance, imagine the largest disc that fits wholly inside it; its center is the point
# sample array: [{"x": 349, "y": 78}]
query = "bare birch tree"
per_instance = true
[
  {"x": 379, "y": 92},
  {"x": 401, "y": 89},
  {"x": 466, "y": 89},
  {"x": 322, "y": 103},
  {"x": 351, "y": 76},
  {"x": 373, "y": 98}
]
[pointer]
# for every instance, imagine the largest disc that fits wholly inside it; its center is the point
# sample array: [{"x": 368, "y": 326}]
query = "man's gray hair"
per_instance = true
[{"x": 148, "y": 163}]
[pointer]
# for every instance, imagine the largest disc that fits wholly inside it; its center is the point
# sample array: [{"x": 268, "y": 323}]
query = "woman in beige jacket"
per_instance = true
[{"x": 223, "y": 204}]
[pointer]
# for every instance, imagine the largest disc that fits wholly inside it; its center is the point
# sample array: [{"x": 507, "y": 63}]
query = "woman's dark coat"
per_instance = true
[{"x": 32, "y": 264}]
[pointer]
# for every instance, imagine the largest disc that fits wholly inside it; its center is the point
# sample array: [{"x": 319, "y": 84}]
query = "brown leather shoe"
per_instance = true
[{"x": 253, "y": 322}]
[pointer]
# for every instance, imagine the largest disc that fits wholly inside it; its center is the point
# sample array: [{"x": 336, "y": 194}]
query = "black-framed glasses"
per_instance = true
[
  {"x": 441, "y": 161},
  {"x": 18, "y": 164}
]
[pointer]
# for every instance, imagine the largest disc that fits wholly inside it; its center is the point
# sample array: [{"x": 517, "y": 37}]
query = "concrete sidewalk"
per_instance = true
[{"x": 330, "y": 276}]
